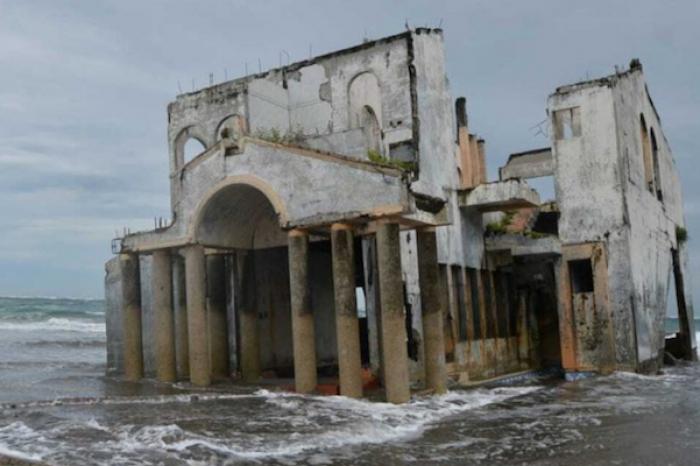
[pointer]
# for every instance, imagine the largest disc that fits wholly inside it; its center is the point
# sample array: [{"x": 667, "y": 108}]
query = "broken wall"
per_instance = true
[
  {"x": 588, "y": 186},
  {"x": 653, "y": 212}
]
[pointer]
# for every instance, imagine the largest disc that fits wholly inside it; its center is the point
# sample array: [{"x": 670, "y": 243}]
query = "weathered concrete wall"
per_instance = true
[
  {"x": 589, "y": 193},
  {"x": 311, "y": 98},
  {"x": 652, "y": 223},
  {"x": 603, "y": 195},
  {"x": 435, "y": 117}
]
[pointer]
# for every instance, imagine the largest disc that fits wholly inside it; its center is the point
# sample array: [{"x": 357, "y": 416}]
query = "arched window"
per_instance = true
[
  {"x": 646, "y": 155},
  {"x": 231, "y": 127},
  {"x": 370, "y": 125},
  {"x": 193, "y": 147},
  {"x": 188, "y": 144},
  {"x": 657, "y": 170},
  {"x": 365, "y": 108}
]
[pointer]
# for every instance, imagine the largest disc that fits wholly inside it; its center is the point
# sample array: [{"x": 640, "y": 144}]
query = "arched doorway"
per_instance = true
[{"x": 241, "y": 220}]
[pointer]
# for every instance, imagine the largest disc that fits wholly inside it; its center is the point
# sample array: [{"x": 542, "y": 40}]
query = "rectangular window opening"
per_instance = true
[
  {"x": 567, "y": 123},
  {"x": 581, "y": 275}
]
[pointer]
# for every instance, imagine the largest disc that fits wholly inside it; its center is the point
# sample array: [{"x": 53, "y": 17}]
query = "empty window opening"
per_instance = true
[
  {"x": 646, "y": 155},
  {"x": 581, "y": 274},
  {"x": 458, "y": 283},
  {"x": 657, "y": 170},
  {"x": 447, "y": 315},
  {"x": 412, "y": 340},
  {"x": 544, "y": 185},
  {"x": 361, "y": 302},
  {"x": 373, "y": 133},
  {"x": 567, "y": 123},
  {"x": 231, "y": 127},
  {"x": 193, "y": 147}
]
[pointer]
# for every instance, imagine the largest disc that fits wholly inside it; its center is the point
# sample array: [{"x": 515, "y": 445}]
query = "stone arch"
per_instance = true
[
  {"x": 364, "y": 92},
  {"x": 183, "y": 137},
  {"x": 241, "y": 212},
  {"x": 232, "y": 126},
  {"x": 372, "y": 129}
]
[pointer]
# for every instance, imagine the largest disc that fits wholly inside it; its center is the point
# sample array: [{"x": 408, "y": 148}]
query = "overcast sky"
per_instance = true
[{"x": 84, "y": 87}]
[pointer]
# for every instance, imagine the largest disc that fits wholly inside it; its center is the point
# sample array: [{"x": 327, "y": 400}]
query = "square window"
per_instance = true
[{"x": 567, "y": 123}]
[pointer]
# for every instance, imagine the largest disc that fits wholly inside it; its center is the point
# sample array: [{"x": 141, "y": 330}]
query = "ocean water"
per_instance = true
[{"x": 56, "y": 406}]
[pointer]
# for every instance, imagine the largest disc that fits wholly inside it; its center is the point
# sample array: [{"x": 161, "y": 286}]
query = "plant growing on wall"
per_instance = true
[
  {"x": 681, "y": 235},
  {"x": 375, "y": 157},
  {"x": 276, "y": 136},
  {"x": 500, "y": 227}
]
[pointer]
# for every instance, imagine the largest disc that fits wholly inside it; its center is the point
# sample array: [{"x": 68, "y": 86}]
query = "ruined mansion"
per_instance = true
[{"x": 337, "y": 232}]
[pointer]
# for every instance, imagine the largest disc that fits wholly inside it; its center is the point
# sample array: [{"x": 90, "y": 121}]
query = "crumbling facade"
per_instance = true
[{"x": 338, "y": 227}]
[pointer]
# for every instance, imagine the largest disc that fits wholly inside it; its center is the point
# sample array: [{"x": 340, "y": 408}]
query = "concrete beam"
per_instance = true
[
  {"x": 500, "y": 196},
  {"x": 530, "y": 164}
]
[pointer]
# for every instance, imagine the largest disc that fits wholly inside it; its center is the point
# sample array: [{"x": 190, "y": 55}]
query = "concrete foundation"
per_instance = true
[
  {"x": 195, "y": 276},
  {"x": 303, "y": 335},
  {"x": 347, "y": 326},
  {"x": 164, "y": 323},
  {"x": 396, "y": 380}
]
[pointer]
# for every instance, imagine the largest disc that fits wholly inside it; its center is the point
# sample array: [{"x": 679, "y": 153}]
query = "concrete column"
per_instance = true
[
  {"x": 131, "y": 306},
  {"x": 182, "y": 352},
  {"x": 346, "y": 323},
  {"x": 217, "y": 320},
  {"x": 248, "y": 320},
  {"x": 433, "y": 330},
  {"x": 195, "y": 276},
  {"x": 164, "y": 328},
  {"x": 396, "y": 377},
  {"x": 303, "y": 335}
]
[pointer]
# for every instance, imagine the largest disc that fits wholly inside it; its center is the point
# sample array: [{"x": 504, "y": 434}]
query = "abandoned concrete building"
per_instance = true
[{"x": 337, "y": 227}]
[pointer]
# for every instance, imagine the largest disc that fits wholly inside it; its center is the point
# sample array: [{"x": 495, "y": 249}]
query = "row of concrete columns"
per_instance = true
[{"x": 202, "y": 345}]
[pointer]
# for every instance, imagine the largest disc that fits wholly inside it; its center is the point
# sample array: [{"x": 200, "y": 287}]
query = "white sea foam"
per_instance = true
[
  {"x": 298, "y": 427},
  {"x": 352, "y": 422},
  {"x": 55, "y": 323}
]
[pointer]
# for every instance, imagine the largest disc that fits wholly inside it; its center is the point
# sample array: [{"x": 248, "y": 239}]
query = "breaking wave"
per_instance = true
[
  {"x": 287, "y": 426},
  {"x": 55, "y": 323}
]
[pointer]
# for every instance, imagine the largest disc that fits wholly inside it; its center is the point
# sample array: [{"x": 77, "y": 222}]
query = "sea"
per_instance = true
[{"x": 58, "y": 407}]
